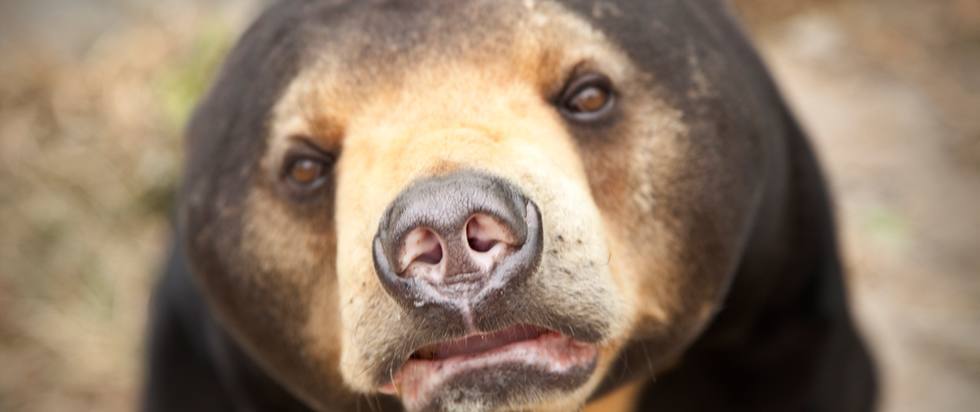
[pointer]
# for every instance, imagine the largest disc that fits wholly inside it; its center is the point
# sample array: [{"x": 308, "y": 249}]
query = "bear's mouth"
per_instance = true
[{"x": 501, "y": 364}]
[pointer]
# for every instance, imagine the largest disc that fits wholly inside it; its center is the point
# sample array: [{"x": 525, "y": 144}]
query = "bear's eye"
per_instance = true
[
  {"x": 306, "y": 168},
  {"x": 305, "y": 171},
  {"x": 588, "y": 97}
]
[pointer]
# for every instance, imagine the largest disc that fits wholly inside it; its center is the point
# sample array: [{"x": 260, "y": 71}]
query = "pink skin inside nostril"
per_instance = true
[
  {"x": 483, "y": 232},
  {"x": 488, "y": 239},
  {"x": 421, "y": 245}
]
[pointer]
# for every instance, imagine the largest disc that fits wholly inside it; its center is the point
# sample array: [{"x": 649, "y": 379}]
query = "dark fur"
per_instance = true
[{"x": 783, "y": 341}]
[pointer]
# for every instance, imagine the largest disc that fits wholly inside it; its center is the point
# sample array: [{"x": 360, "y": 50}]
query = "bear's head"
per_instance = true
[{"x": 476, "y": 205}]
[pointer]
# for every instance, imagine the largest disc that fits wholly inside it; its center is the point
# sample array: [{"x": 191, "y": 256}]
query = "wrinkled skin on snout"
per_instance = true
[{"x": 627, "y": 224}]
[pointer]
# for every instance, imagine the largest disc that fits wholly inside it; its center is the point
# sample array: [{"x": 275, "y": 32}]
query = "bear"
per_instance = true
[{"x": 493, "y": 205}]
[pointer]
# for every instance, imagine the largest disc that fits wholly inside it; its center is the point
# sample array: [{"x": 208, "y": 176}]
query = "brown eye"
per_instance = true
[
  {"x": 588, "y": 97},
  {"x": 305, "y": 172},
  {"x": 305, "y": 168}
]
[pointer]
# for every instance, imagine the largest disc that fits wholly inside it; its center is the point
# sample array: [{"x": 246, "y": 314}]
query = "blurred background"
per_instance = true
[{"x": 94, "y": 94}]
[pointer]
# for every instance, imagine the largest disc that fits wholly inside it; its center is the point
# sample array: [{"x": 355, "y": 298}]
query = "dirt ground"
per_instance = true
[{"x": 93, "y": 95}]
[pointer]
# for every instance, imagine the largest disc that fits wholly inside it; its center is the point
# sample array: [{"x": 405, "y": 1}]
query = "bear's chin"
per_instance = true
[{"x": 519, "y": 365}]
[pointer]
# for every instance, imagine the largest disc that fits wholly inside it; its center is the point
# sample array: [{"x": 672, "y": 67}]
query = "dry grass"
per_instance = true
[{"x": 90, "y": 152}]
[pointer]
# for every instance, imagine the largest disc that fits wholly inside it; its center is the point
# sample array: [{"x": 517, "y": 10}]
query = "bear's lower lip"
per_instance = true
[{"x": 521, "y": 347}]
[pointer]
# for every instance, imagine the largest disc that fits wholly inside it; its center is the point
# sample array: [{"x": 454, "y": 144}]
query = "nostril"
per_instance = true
[
  {"x": 432, "y": 256},
  {"x": 421, "y": 245},
  {"x": 481, "y": 245},
  {"x": 484, "y": 232}
]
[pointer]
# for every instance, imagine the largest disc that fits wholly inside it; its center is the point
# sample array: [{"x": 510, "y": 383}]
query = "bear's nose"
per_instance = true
[{"x": 454, "y": 238}]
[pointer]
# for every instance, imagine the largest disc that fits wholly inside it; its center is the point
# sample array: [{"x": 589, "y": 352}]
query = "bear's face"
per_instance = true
[{"x": 468, "y": 205}]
